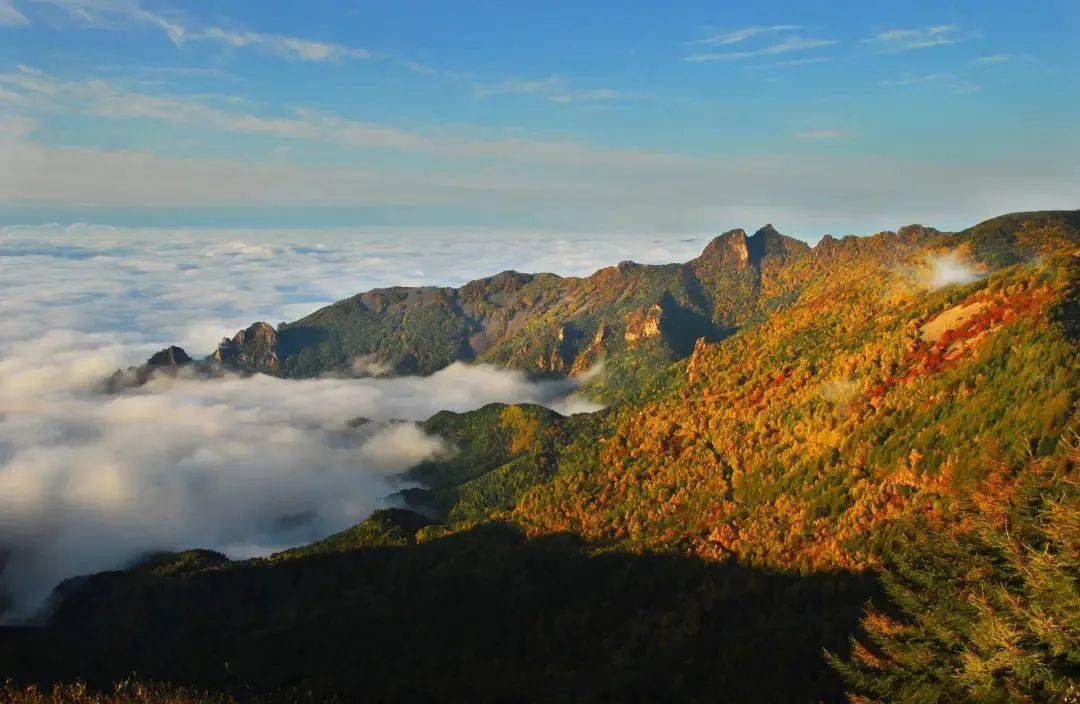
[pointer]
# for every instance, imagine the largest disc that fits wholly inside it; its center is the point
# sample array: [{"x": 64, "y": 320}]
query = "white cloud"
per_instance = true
[
  {"x": 910, "y": 79},
  {"x": 104, "y": 99},
  {"x": 88, "y": 482},
  {"x": 802, "y": 62},
  {"x": 950, "y": 81},
  {"x": 570, "y": 188},
  {"x": 788, "y": 45},
  {"x": 10, "y": 16},
  {"x": 110, "y": 13},
  {"x": 992, "y": 59},
  {"x": 566, "y": 183},
  {"x": 287, "y": 47},
  {"x": 553, "y": 88},
  {"x": 907, "y": 39},
  {"x": 741, "y": 35},
  {"x": 948, "y": 269}
]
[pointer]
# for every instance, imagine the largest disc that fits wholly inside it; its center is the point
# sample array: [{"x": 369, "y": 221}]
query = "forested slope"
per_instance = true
[
  {"x": 885, "y": 399},
  {"x": 632, "y": 317}
]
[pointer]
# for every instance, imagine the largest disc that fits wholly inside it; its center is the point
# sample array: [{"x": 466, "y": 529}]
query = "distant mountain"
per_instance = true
[
  {"x": 863, "y": 405},
  {"x": 631, "y": 316}
]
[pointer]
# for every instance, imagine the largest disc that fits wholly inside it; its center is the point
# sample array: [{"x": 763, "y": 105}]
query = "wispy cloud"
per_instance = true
[
  {"x": 992, "y": 59},
  {"x": 45, "y": 93},
  {"x": 916, "y": 38},
  {"x": 10, "y": 16},
  {"x": 788, "y": 45},
  {"x": 823, "y": 134},
  {"x": 912, "y": 79},
  {"x": 950, "y": 81},
  {"x": 107, "y": 13},
  {"x": 803, "y": 62},
  {"x": 553, "y": 88},
  {"x": 104, "y": 99},
  {"x": 773, "y": 66},
  {"x": 164, "y": 72},
  {"x": 285, "y": 46},
  {"x": 740, "y": 35},
  {"x": 8, "y": 96}
]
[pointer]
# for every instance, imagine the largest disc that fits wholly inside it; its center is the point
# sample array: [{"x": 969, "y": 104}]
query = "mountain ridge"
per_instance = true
[
  {"x": 755, "y": 489},
  {"x": 629, "y": 315}
]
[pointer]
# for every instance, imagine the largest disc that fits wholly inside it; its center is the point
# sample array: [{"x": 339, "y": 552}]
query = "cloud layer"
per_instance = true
[{"x": 246, "y": 466}]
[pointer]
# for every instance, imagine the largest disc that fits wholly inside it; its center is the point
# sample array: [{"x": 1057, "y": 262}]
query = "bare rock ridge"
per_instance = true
[
  {"x": 169, "y": 357},
  {"x": 252, "y": 349}
]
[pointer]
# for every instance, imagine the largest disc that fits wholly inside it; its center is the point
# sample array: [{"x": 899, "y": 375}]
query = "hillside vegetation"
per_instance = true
[
  {"x": 901, "y": 404},
  {"x": 632, "y": 317}
]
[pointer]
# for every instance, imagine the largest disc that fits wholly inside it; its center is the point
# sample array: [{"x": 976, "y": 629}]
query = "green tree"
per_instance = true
[{"x": 989, "y": 612}]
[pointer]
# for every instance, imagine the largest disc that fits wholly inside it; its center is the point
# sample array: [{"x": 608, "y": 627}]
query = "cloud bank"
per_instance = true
[{"x": 242, "y": 465}]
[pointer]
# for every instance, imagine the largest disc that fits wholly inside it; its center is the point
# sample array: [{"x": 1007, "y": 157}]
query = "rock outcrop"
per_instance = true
[
  {"x": 167, "y": 361},
  {"x": 251, "y": 349},
  {"x": 644, "y": 324}
]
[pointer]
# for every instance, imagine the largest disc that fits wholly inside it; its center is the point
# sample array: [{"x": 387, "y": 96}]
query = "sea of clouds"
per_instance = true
[{"x": 246, "y": 466}]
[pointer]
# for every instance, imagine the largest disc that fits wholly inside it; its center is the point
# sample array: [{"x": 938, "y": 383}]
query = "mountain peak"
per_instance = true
[
  {"x": 735, "y": 248},
  {"x": 728, "y": 248},
  {"x": 169, "y": 357}
]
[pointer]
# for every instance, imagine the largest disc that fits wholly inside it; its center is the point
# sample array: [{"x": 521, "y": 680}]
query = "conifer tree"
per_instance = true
[{"x": 988, "y": 612}]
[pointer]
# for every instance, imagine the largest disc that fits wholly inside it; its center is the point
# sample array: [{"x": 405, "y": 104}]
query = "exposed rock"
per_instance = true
[
  {"x": 827, "y": 246},
  {"x": 251, "y": 349},
  {"x": 728, "y": 249},
  {"x": 644, "y": 324},
  {"x": 695, "y": 359},
  {"x": 734, "y": 249},
  {"x": 166, "y": 361},
  {"x": 916, "y": 233},
  {"x": 593, "y": 353},
  {"x": 169, "y": 357}
]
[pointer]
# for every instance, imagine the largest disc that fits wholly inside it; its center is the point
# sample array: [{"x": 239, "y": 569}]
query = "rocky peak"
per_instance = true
[
  {"x": 767, "y": 232},
  {"x": 257, "y": 333},
  {"x": 167, "y": 361},
  {"x": 916, "y": 233},
  {"x": 735, "y": 248},
  {"x": 767, "y": 242},
  {"x": 251, "y": 349},
  {"x": 169, "y": 357},
  {"x": 827, "y": 246},
  {"x": 729, "y": 249}
]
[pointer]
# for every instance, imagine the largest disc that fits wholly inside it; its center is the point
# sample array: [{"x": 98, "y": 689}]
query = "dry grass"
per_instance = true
[
  {"x": 127, "y": 692},
  {"x": 132, "y": 691},
  {"x": 952, "y": 318}
]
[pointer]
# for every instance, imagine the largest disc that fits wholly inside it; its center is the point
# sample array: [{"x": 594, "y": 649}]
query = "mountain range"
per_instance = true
[
  {"x": 785, "y": 424},
  {"x": 630, "y": 315}
]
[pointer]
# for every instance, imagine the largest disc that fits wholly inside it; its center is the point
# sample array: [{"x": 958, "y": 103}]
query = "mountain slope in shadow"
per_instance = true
[{"x": 483, "y": 615}]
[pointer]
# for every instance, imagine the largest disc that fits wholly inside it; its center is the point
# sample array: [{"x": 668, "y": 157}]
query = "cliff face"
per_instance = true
[{"x": 252, "y": 349}]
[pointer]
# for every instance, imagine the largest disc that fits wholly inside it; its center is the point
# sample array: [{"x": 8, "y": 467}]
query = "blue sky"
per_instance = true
[{"x": 681, "y": 116}]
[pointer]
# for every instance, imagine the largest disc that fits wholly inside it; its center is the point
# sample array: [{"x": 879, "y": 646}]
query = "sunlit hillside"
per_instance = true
[{"x": 730, "y": 521}]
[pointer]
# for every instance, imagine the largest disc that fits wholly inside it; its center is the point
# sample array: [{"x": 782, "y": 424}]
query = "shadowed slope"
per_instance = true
[{"x": 484, "y": 615}]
